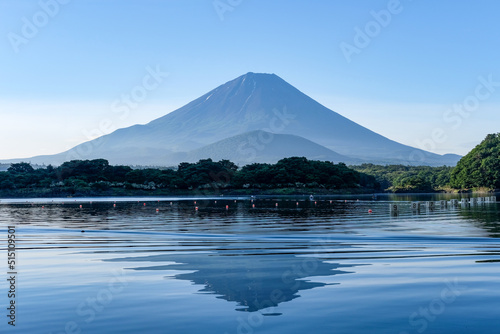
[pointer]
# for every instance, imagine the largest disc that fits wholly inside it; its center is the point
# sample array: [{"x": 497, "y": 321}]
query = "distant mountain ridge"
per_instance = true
[
  {"x": 264, "y": 147},
  {"x": 253, "y": 102}
]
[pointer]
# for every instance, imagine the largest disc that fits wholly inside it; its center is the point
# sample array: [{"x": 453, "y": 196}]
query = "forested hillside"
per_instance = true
[
  {"x": 481, "y": 167},
  {"x": 399, "y": 178},
  {"x": 96, "y": 177}
]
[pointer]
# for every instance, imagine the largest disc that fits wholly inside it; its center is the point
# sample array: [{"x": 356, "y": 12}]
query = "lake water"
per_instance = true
[{"x": 220, "y": 265}]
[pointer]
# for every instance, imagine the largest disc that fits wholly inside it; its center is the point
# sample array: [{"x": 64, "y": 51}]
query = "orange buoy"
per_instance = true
[{"x": 370, "y": 211}]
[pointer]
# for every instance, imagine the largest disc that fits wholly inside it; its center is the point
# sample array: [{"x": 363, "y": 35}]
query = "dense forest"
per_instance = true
[
  {"x": 98, "y": 177},
  {"x": 399, "y": 178},
  {"x": 481, "y": 167},
  {"x": 478, "y": 170}
]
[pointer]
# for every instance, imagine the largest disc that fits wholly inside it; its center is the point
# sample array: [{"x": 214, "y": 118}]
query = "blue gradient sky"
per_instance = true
[{"x": 61, "y": 81}]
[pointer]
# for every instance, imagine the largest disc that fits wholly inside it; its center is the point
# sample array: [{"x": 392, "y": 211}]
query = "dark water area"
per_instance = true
[{"x": 330, "y": 264}]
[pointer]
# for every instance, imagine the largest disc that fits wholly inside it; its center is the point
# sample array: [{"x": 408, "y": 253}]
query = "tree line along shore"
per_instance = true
[{"x": 477, "y": 171}]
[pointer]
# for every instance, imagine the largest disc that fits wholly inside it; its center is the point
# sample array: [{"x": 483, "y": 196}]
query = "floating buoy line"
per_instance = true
[{"x": 268, "y": 203}]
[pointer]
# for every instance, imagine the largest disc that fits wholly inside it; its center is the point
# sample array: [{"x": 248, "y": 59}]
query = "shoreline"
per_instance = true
[{"x": 200, "y": 193}]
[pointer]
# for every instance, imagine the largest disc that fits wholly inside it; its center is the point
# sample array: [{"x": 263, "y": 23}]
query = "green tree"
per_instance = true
[
  {"x": 21, "y": 168},
  {"x": 480, "y": 167},
  {"x": 205, "y": 172},
  {"x": 87, "y": 170}
]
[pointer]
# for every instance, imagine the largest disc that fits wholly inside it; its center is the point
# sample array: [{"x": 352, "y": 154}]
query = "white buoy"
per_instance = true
[{"x": 394, "y": 209}]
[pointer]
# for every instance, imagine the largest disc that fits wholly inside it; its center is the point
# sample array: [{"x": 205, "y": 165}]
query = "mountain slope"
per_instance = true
[
  {"x": 264, "y": 147},
  {"x": 250, "y": 102}
]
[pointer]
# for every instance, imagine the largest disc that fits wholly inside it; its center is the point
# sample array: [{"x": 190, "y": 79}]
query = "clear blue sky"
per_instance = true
[{"x": 60, "y": 80}]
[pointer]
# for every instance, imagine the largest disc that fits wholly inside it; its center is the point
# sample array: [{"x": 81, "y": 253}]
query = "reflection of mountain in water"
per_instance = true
[{"x": 254, "y": 281}]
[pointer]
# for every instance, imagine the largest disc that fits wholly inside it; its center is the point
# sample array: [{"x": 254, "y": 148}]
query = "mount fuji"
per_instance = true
[{"x": 254, "y": 118}]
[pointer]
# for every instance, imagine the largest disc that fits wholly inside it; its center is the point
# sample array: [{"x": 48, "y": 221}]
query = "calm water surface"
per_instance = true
[{"x": 220, "y": 265}]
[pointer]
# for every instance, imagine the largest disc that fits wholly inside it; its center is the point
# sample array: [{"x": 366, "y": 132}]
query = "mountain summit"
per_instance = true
[{"x": 249, "y": 103}]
